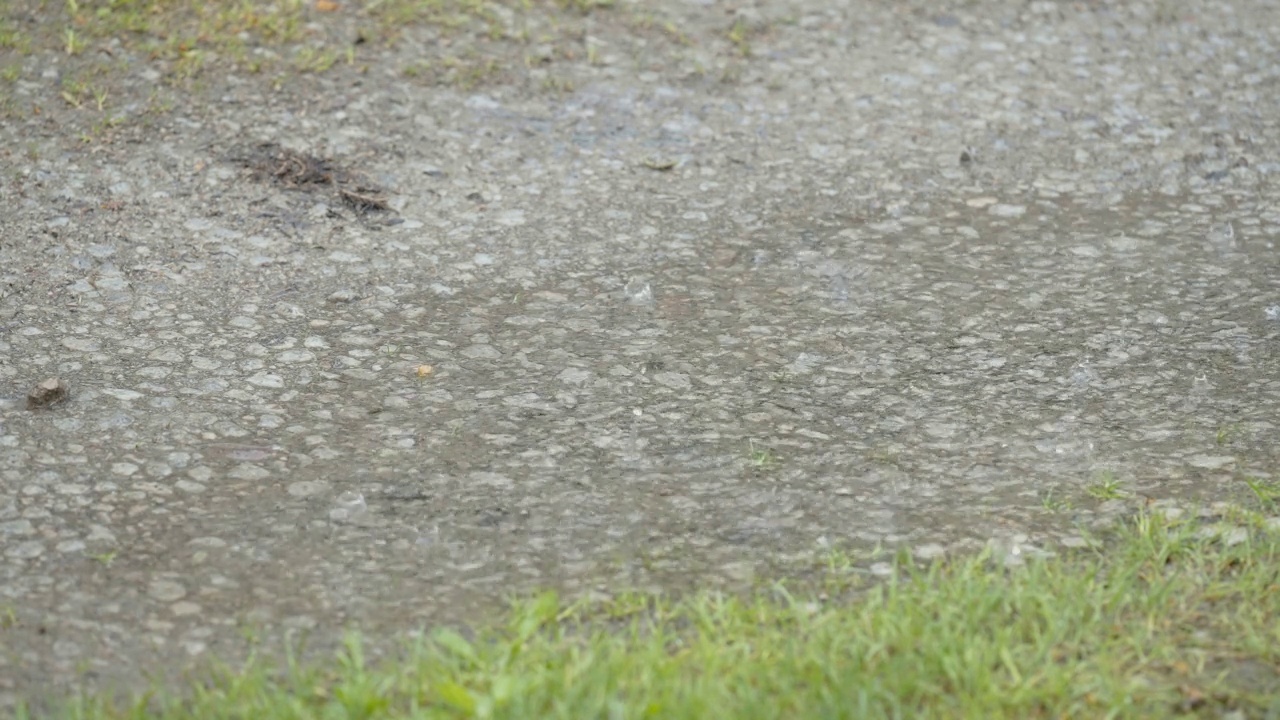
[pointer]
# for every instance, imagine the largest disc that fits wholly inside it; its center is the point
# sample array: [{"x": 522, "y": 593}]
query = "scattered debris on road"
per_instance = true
[
  {"x": 294, "y": 169},
  {"x": 47, "y": 393}
]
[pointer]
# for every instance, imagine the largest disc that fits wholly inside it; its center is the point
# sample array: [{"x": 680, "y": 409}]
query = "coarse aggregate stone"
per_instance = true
[{"x": 911, "y": 275}]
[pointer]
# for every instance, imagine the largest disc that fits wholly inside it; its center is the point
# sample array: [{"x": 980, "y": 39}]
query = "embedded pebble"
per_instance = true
[{"x": 166, "y": 590}]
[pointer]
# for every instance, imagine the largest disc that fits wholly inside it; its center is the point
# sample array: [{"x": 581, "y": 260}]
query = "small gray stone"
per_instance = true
[
  {"x": 16, "y": 527},
  {"x": 307, "y": 488},
  {"x": 166, "y": 590},
  {"x": 25, "y": 550},
  {"x": 929, "y": 551}
]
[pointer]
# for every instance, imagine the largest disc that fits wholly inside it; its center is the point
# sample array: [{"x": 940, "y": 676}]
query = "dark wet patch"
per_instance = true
[{"x": 292, "y": 169}]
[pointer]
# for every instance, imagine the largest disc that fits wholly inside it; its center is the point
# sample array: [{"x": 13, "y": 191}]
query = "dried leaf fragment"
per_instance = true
[{"x": 49, "y": 391}]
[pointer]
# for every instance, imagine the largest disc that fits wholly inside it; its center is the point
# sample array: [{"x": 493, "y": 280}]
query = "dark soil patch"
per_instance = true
[{"x": 270, "y": 161}]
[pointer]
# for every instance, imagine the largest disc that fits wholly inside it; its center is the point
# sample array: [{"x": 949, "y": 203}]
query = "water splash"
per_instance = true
[
  {"x": 639, "y": 291},
  {"x": 349, "y": 507}
]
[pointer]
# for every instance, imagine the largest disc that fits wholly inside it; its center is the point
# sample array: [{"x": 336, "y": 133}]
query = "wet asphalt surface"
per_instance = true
[{"x": 913, "y": 277}]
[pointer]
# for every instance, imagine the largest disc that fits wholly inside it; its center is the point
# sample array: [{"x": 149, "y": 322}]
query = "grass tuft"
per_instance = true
[{"x": 1159, "y": 621}]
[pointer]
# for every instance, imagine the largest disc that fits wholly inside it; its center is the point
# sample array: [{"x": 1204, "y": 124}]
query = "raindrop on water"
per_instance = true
[
  {"x": 639, "y": 291},
  {"x": 428, "y": 538},
  {"x": 1201, "y": 385},
  {"x": 1223, "y": 238},
  {"x": 1082, "y": 375},
  {"x": 839, "y": 289},
  {"x": 349, "y": 507}
]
